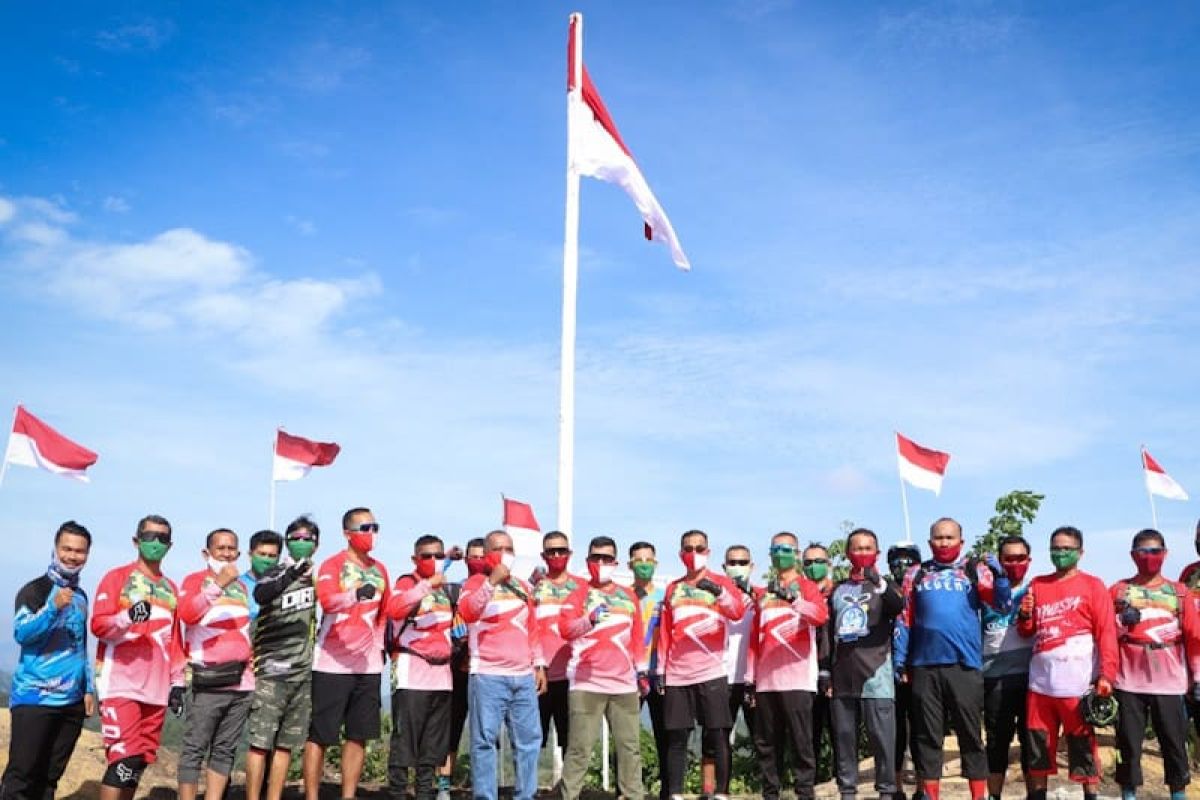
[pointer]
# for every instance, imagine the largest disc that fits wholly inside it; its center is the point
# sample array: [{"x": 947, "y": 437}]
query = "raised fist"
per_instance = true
[
  {"x": 365, "y": 592},
  {"x": 1130, "y": 616},
  {"x": 713, "y": 588},
  {"x": 140, "y": 611},
  {"x": 598, "y": 613}
]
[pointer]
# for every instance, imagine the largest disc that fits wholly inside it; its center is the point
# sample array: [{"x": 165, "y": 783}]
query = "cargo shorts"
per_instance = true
[{"x": 280, "y": 713}]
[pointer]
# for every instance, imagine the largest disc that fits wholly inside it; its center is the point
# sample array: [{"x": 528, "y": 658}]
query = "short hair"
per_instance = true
[
  {"x": 1068, "y": 530},
  {"x": 487, "y": 540},
  {"x": 789, "y": 535},
  {"x": 1148, "y": 534},
  {"x": 74, "y": 529},
  {"x": 477, "y": 542},
  {"x": 156, "y": 519},
  {"x": 862, "y": 532},
  {"x": 693, "y": 532},
  {"x": 940, "y": 520},
  {"x": 602, "y": 541},
  {"x": 425, "y": 539},
  {"x": 641, "y": 546},
  {"x": 555, "y": 535},
  {"x": 1014, "y": 539},
  {"x": 303, "y": 523},
  {"x": 265, "y": 537},
  {"x": 349, "y": 515},
  {"x": 733, "y": 547},
  {"x": 816, "y": 546},
  {"x": 209, "y": 539}
]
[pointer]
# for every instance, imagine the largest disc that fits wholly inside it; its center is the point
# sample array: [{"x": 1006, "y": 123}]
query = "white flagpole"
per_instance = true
[
  {"x": 1149, "y": 493},
  {"x": 271, "y": 514},
  {"x": 566, "y": 403},
  {"x": 4, "y": 463},
  {"x": 904, "y": 503}
]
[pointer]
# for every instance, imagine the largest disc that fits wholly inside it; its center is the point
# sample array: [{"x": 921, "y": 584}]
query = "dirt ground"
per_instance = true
[{"x": 82, "y": 778}]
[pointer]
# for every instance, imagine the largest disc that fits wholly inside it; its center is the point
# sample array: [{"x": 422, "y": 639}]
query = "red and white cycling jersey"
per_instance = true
[
  {"x": 423, "y": 636},
  {"x": 1074, "y": 632},
  {"x": 137, "y": 660},
  {"x": 350, "y": 638},
  {"x": 501, "y": 626},
  {"x": 693, "y": 630},
  {"x": 1156, "y": 651},
  {"x": 217, "y": 624},
  {"x": 605, "y": 657},
  {"x": 548, "y": 599},
  {"x": 783, "y": 641}
]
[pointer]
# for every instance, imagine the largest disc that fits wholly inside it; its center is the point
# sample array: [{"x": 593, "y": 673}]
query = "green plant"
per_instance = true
[{"x": 1014, "y": 511}]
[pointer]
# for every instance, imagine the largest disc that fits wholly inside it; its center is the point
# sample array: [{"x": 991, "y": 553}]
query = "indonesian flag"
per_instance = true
[
  {"x": 597, "y": 150},
  {"x": 520, "y": 524},
  {"x": 1158, "y": 481},
  {"x": 295, "y": 456},
  {"x": 33, "y": 443},
  {"x": 920, "y": 466}
]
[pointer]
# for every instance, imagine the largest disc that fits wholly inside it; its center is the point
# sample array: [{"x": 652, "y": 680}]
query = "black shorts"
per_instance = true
[
  {"x": 706, "y": 704},
  {"x": 350, "y": 700}
]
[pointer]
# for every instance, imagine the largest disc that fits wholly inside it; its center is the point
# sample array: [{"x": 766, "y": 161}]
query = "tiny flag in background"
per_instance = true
[
  {"x": 295, "y": 456},
  {"x": 1158, "y": 482},
  {"x": 598, "y": 151},
  {"x": 33, "y": 443},
  {"x": 920, "y": 466}
]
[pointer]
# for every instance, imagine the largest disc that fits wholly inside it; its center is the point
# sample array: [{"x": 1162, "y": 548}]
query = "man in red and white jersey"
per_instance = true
[
  {"x": 139, "y": 658},
  {"x": 353, "y": 591},
  {"x": 214, "y": 605},
  {"x": 421, "y": 615},
  {"x": 603, "y": 623},
  {"x": 508, "y": 671},
  {"x": 1069, "y": 614},
  {"x": 1157, "y": 634},
  {"x": 550, "y": 591},
  {"x": 693, "y": 634},
  {"x": 783, "y": 668}
]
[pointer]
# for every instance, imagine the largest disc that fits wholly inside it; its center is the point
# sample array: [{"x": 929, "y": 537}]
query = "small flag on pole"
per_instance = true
[
  {"x": 520, "y": 524},
  {"x": 920, "y": 466},
  {"x": 295, "y": 456},
  {"x": 598, "y": 151},
  {"x": 33, "y": 443},
  {"x": 1158, "y": 482}
]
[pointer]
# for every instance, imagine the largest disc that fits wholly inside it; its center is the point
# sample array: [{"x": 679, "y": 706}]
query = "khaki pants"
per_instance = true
[{"x": 624, "y": 721}]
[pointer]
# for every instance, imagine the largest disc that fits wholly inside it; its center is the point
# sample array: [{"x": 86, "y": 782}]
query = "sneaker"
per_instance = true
[{"x": 443, "y": 794}]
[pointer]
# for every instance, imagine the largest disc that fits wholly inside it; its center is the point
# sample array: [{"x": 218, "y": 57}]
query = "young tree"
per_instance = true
[{"x": 1014, "y": 511}]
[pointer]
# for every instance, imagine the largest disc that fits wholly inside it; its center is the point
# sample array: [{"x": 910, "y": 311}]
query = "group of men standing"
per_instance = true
[{"x": 907, "y": 652}]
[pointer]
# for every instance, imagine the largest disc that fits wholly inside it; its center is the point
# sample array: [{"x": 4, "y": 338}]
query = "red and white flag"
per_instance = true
[
  {"x": 33, "y": 443},
  {"x": 295, "y": 456},
  {"x": 597, "y": 150},
  {"x": 921, "y": 466},
  {"x": 1158, "y": 481},
  {"x": 522, "y": 526}
]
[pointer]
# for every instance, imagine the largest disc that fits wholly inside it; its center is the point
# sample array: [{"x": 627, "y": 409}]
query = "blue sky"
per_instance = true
[{"x": 975, "y": 223}]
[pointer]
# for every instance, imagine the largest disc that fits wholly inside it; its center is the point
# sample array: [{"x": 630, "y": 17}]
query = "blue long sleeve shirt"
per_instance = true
[{"x": 53, "y": 668}]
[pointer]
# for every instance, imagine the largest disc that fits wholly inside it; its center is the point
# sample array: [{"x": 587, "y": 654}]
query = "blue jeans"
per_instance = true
[{"x": 495, "y": 700}]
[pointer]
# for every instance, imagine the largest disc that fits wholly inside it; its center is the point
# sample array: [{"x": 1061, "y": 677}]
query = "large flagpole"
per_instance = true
[
  {"x": 1149, "y": 492},
  {"x": 271, "y": 513},
  {"x": 904, "y": 503}
]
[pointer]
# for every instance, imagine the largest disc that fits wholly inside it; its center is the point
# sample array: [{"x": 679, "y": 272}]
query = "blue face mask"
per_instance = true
[{"x": 61, "y": 574}]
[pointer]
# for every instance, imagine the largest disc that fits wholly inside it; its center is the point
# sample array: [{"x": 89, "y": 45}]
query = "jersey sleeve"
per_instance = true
[
  {"x": 111, "y": 622},
  {"x": 666, "y": 621},
  {"x": 731, "y": 603},
  {"x": 572, "y": 620},
  {"x": 535, "y": 639},
  {"x": 752, "y": 647},
  {"x": 637, "y": 634},
  {"x": 197, "y": 597},
  {"x": 34, "y": 615},
  {"x": 176, "y": 653},
  {"x": 1105, "y": 629},
  {"x": 408, "y": 595},
  {"x": 473, "y": 599},
  {"x": 1189, "y": 623},
  {"x": 329, "y": 588},
  {"x": 811, "y": 606}
]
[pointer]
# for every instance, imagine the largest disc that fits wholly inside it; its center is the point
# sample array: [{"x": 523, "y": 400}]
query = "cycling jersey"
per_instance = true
[
  {"x": 53, "y": 668},
  {"x": 350, "y": 638},
  {"x": 284, "y": 630}
]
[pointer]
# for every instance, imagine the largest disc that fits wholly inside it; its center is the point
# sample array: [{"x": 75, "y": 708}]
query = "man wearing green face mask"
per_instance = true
[
  {"x": 815, "y": 566},
  {"x": 643, "y": 561},
  {"x": 265, "y": 547},
  {"x": 283, "y": 652}
]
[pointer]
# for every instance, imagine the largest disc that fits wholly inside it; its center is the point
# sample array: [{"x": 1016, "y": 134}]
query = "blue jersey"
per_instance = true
[
  {"x": 53, "y": 668},
  {"x": 1005, "y": 652},
  {"x": 942, "y": 613},
  {"x": 251, "y": 580}
]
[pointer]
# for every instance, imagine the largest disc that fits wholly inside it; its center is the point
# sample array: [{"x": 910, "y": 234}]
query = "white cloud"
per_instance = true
[
  {"x": 8, "y": 210},
  {"x": 116, "y": 204},
  {"x": 305, "y": 227},
  {"x": 146, "y": 35}
]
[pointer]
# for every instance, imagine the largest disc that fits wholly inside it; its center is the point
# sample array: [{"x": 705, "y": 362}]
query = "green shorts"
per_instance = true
[{"x": 279, "y": 713}]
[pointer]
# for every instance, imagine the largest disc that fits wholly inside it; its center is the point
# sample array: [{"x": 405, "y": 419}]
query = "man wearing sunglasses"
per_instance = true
[
  {"x": 1006, "y": 657},
  {"x": 549, "y": 595},
  {"x": 421, "y": 614},
  {"x": 1069, "y": 614},
  {"x": 508, "y": 671},
  {"x": 281, "y": 709},
  {"x": 140, "y": 664},
  {"x": 603, "y": 623},
  {"x": 692, "y": 638},
  {"x": 1158, "y": 641},
  {"x": 783, "y": 670},
  {"x": 353, "y": 590}
]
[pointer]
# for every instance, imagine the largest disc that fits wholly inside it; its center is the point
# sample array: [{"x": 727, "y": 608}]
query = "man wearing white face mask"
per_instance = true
[
  {"x": 603, "y": 623},
  {"x": 507, "y": 670}
]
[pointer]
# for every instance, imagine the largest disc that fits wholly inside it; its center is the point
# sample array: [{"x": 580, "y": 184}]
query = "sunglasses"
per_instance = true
[
  {"x": 427, "y": 556},
  {"x": 366, "y": 527},
  {"x": 738, "y": 562},
  {"x": 301, "y": 537},
  {"x": 1063, "y": 549},
  {"x": 1014, "y": 559},
  {"x": 808, "y": 562},
  {"x": 154, "y": 536},
  {"x": 782, "y": 549},
  {"x": 557, "y": 551},
  {"x": 601, "y": 558},
  {"x": 694, "y": 548},
  {"x": 1148, "y": 551}
]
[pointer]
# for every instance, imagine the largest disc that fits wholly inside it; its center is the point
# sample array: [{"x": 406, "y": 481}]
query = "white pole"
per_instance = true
[
  {"x": 1153, "y": 509},
  {"x": 904, "y": 502},
  {"x": 271, "y": 513},
  {"x": 566, "y": 401},
  {"x": 4, "y": 463}
]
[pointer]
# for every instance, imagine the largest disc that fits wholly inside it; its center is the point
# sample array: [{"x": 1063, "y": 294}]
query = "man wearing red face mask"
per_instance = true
[
  {"x": 603, "y": 623},
  {"x": 353, "y": 590},
  {"x": 549, "y": 595},
  {"x": 940, "y": 653},
  {"x": 1157, "y": 634},
  {"x": 421, "y": 615},
  {"x": 692, "y": 638}
]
